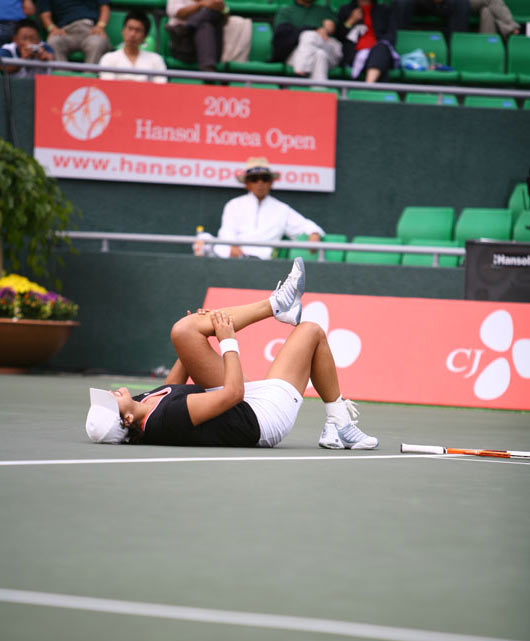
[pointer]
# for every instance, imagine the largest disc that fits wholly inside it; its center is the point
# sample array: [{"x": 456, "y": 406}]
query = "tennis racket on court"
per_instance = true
[{"x": 438, "y": 449}]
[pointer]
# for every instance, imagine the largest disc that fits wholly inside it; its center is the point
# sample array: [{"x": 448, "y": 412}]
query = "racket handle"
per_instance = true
[{"x": 422, "y": 449}]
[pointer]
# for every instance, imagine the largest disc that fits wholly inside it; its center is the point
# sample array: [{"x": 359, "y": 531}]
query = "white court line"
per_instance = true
[
  {"x": 218, "y": 459},
  {"x": 230, "y": 617},
  {"x": 236, "y": 459}
]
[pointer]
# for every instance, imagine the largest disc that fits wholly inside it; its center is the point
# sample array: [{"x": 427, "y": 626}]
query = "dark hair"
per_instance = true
[
  {"x": 140, "y": 16},
  {"x": 26, "y": 22},
  {"x": 135, "y": 434}
]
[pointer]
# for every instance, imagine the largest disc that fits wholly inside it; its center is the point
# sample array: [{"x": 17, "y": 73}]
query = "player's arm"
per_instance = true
[{"x": 203, "y": 407}]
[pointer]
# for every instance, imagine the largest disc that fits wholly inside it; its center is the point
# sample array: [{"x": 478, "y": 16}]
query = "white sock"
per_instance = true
[{"x": 337, "y": 412}]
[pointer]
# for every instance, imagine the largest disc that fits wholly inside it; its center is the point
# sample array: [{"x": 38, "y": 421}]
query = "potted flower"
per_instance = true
[{"x": 34, "y": 323}]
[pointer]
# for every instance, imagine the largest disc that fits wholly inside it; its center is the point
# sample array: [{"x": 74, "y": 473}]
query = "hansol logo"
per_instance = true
[
  {"x": 497, "y": 334},
  {"x": 86, "y": 113}
]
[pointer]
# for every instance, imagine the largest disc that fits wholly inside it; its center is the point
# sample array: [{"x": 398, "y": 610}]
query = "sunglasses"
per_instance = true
[{"x": 266, "y": 178}]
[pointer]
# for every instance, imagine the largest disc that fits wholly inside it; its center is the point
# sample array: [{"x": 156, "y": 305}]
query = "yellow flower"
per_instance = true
[{"x": 21, "y": 284}]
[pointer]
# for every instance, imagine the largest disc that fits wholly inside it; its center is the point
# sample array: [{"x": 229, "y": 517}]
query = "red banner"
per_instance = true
[
  {"x": 183, "y": 134},
  {"x": 406, "y": 350}
]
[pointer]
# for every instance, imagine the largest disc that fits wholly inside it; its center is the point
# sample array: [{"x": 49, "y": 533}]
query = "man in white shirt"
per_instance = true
[
  {"x": 135, "y": 29},
  {"x": 260, "y": 216}
]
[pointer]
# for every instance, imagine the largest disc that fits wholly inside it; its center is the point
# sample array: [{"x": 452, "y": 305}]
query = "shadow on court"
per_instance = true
[{"x": 203, "y": 544}]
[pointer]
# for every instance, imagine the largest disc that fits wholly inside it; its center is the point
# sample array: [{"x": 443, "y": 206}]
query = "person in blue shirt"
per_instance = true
[
  {"x": 27, "y": 44},
  {"x": 76, "y": 25},
  {"x": 11, "y": 11}
]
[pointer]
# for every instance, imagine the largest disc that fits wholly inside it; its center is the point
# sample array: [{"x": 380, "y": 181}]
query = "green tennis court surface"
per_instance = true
[{"x": 291, "y": 544}]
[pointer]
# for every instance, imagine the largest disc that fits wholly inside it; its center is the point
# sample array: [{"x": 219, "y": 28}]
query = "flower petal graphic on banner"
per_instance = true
[
  {"x": 496, "y": 331},
  {"x": 493, "y": 381},
  {"x": 521, "y": 357},
  {"x": 345, "y": 347},
  {"x": 86, "y": 113},
  {"x": 317, "y": 312}
]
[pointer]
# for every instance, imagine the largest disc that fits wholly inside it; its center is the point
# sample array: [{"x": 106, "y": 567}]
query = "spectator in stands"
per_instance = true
[
  {"x": 259, "y": 216},
  {"x": 454, "y": 12},
  {"x": 135, "y": 30},
  {"x": 365, "y": 29},
  {"x": 11, "y": 12},
  {"x": 303, "y": 38},
  {"x": 197, "y": 24},
  {"x": 495, "y": 16},
  {"x": 76, "y": 25},
  {"x": 27, "y": 44}
]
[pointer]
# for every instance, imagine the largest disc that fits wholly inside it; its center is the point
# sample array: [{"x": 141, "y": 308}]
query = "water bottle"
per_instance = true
[
  {"x": 432, "y": 60},
  {"x": 200, "y": 248}
]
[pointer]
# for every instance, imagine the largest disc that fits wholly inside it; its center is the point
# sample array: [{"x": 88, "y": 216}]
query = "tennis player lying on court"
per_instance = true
[{"x": 220, "y": 409}]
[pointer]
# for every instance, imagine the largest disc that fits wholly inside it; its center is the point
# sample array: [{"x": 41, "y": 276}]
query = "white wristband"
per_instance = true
[{"x": 228, "y": 345}]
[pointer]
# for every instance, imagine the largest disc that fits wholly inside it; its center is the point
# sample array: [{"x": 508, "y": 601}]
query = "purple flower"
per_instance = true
[{"x": 7, "y": 292}]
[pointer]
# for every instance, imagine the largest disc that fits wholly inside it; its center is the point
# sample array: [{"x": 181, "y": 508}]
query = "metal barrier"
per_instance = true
[
  {"x": 342, "y": 85},
  {"x": 321, "y": 247}
]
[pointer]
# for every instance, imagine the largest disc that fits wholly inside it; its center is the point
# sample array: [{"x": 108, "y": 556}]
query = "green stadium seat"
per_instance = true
[
  {"x": 519, "y": 199},
  {"x": 67, "y": 72},
  {"x": 260, "y": 53},
  {"x": 334, "y": 255},
  {"x": 519, "y": 58},
  {"x": 331, "y": 255},
  {"x": 432, "y": 99},
  {"x": 520, "y": 10},
  {"x": 252, "y": 9},
  {"x": 429, "y": 42},
  {"x": 526, "y": 104},
  {"x": 315, "y": 89},
  {"x": 427, "y": 259},
  {"x": 480, "y": 59},
  {"x": 521, "y": 229},
  {"x": 373, "y": 95},
  {"x": 186, "y": 81},
  {"x": 475, "y": 223},
  {"x": 335, "y": 73},
  {"x": 306, "y": 254},
  {"x": 490, "y": 102},
  {"x": 435, "y": 223},
  {"x": 375, "y": 257},
  {"x": 255, "y": 85},
  {"x": 175, "y": 63}
]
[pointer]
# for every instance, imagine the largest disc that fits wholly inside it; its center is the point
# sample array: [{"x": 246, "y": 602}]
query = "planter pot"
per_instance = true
[{"x": 24, "y": 343}]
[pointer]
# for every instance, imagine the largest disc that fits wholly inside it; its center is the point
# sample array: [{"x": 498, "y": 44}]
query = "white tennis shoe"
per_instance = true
[
  {"x": 285, "y": 300},
  {"x": 349, "y": 437}
]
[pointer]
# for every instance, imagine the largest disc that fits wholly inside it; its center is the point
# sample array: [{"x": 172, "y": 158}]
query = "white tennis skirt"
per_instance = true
[{"x": 275, "y": 403}]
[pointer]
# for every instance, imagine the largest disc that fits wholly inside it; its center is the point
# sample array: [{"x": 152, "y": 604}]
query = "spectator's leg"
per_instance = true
[
  {"x": 94, "y": 47},
  {"x": 208, "y": 37},
  {"x": 63, "y": 45},
  {"x": 496, "y": 16},
  {"x": 379, "y": 62}
]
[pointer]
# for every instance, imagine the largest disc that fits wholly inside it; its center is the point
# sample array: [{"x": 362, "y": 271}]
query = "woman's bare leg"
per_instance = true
[
  {"x": 306, "y": 354},
  {"x": 196, "y": 357},
  {"x": 190, "y": 334}
]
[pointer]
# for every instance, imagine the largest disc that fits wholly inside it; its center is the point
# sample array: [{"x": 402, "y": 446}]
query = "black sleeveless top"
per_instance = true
[{"x": 169, "y": 422}]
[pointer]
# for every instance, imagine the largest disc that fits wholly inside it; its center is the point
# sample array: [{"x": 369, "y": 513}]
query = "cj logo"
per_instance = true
[
  {"x": 86, "y": 113},
  {"x": 345, "y": 345},
  {"x": 496, "y": 333}
]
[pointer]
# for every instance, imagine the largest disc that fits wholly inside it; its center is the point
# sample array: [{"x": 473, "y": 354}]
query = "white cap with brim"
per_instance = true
[{"x": 103, "y": 423}]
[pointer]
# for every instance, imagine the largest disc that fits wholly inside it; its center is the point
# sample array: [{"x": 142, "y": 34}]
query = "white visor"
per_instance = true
[{"x": 103, "y": 423}]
